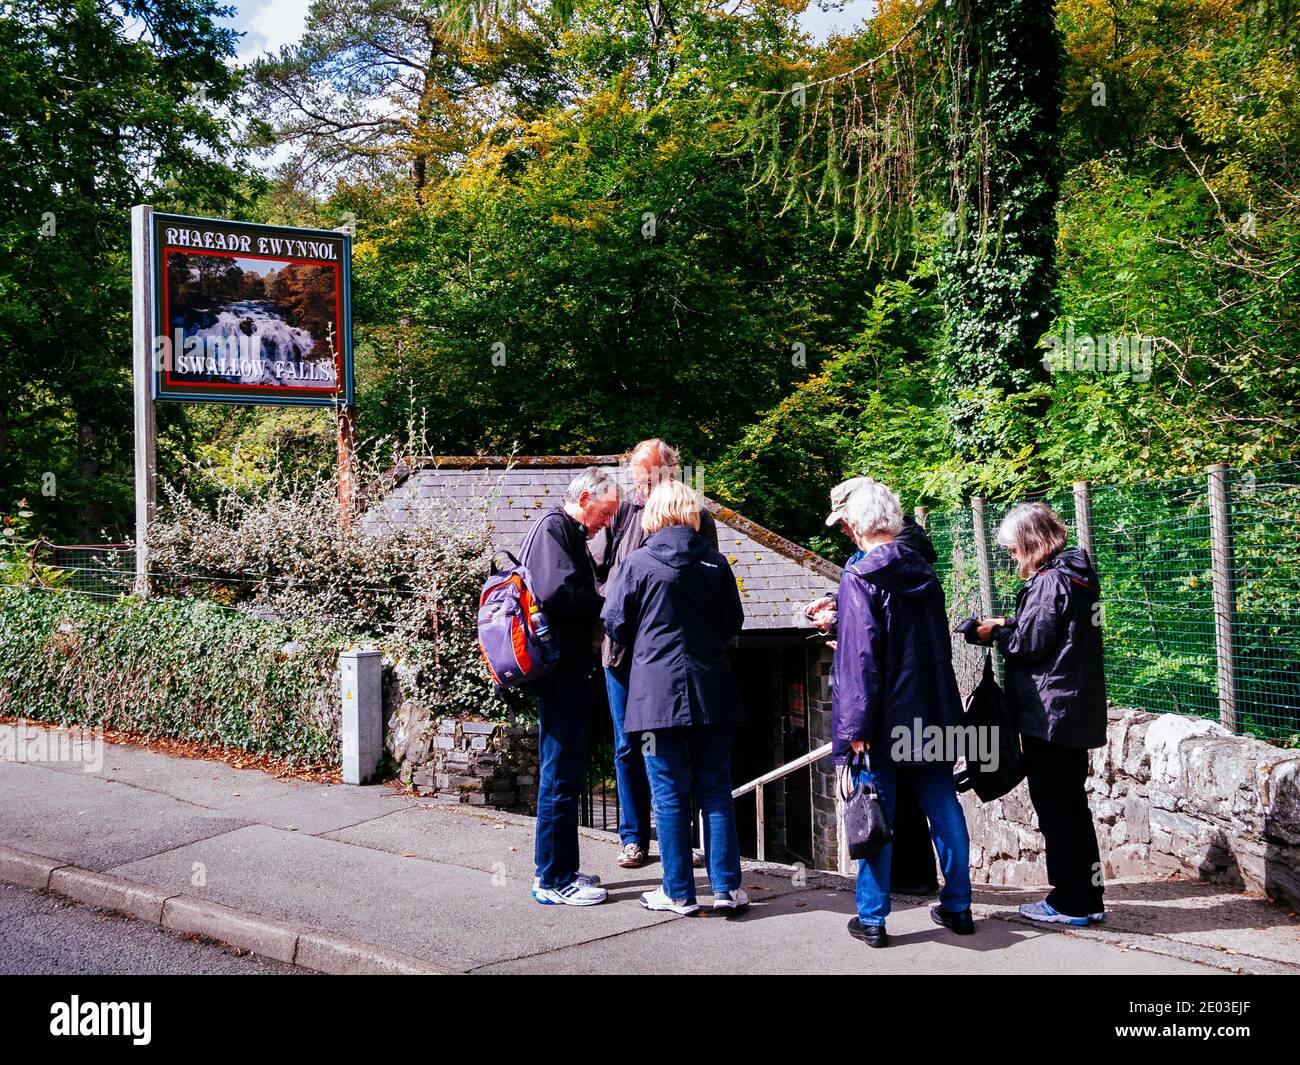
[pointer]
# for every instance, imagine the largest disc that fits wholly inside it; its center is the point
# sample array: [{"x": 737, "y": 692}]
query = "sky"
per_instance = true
[{"x": 269, "y": 24}]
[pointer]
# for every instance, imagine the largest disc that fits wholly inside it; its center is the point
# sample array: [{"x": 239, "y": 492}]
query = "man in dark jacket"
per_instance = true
[
  {"x": 564, "y": 579},
  {"x": 649, "y": 463},
  {"x": 675, "y": 605},
  {"x": 1056, "y": 686},
  {"x": 894, "y": 693}
]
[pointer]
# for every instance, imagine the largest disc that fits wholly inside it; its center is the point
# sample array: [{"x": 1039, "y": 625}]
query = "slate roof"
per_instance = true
[{"x": 776, "y": 577}]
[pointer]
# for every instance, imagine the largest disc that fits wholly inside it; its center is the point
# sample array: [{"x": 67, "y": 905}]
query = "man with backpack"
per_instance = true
[{"x": 564, "y": 580}]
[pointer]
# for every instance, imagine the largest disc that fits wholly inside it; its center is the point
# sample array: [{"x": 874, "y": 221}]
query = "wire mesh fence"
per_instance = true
[
  {"x": 100, "y": 570},
  {"x": 1153, "y": 546}
]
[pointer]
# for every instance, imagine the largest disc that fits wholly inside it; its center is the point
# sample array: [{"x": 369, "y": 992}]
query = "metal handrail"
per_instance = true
[
  {"x": 756, "y": 786},
  {"x": 783, "y": 771}
]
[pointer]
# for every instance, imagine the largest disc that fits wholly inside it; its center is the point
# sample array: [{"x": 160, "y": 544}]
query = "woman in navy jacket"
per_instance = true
[
  {"x": 675, "y": 604},
  {"x": 894, "y": 691},
  {"x": 1057, "y": 690}
]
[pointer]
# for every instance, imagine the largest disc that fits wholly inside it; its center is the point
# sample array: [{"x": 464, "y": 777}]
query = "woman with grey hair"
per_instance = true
[
  {"x": 893, "y": 687},
  {"x": 1057, "y": 690},
  {"x": 650, "y": 463}
]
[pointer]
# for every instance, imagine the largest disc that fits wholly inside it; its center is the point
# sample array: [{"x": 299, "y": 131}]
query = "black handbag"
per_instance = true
[
  {"x": 866, "y": 828},
  {"x": 987, "y": 710}
]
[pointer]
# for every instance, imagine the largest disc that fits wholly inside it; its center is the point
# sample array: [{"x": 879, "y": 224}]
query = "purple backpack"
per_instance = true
[{"x": 513, "y": 635}]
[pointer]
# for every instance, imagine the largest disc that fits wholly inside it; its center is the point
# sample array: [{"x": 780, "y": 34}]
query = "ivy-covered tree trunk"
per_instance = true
[{"x": 997, "y": 270}]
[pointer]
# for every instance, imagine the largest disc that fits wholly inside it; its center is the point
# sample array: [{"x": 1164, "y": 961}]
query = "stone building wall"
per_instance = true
[
  {"x": 825, "y": 811},
  {"x": 481, "y": 763}
]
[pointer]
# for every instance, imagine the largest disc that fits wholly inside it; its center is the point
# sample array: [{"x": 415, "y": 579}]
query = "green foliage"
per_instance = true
[
  {"x": 996, "y": 270},
  {"x": 598, "y": 273},
  {"x": 102, "y": 109},
  {"x": 186, "y": 670},
  {"x": 870, "y": 409}
]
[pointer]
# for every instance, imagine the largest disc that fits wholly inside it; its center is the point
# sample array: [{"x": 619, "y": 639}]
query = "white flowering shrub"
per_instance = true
[{"x": 406, "y": 581}]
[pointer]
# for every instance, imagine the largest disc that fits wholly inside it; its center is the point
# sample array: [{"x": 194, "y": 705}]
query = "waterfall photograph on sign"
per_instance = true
[
  {"x": 250, "y": 313},
  {"x": 251, "y": 321}
]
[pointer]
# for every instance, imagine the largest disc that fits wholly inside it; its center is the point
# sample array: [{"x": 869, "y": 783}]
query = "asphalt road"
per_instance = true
[{"x": 44, "y": 934}]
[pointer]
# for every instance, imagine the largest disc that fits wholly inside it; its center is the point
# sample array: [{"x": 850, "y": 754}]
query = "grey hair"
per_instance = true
[
  {"x": 594, "y": 482},
  {"x": 652, "y": 448},
  {"x": 1036, "y": 531},
  {"x": 873, "y": 508}
]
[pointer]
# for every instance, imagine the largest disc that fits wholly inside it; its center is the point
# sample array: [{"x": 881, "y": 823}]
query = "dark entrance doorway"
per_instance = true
[{"x": 775, "y": 730}]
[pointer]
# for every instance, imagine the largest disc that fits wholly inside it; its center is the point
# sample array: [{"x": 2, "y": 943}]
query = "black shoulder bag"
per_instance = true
[{"x": 866, "y": 828}]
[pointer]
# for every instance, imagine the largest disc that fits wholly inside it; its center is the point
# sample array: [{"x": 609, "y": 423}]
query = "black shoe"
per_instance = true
[
  {"x": 914, "y": 889},
  {"x": 873, "y": 935},
  {"x": 962, "y": 923}
]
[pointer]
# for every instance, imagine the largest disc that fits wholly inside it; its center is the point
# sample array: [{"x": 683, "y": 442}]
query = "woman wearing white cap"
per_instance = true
[{"x": 913, "y": 871}]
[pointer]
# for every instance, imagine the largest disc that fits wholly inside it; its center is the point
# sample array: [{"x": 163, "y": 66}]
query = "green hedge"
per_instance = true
[{"x": 177, "y": 668}]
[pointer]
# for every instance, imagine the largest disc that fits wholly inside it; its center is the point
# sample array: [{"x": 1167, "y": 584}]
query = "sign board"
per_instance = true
[{"x": 250, "y": 313}]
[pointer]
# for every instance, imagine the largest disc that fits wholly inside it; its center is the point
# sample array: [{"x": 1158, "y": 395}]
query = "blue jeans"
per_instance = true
[
  {"x": 938, "y": 798},
  {"x": 629, "y": 769},
  {"x": 562, "y": 702},
  {"x": 701, "y": 753}
]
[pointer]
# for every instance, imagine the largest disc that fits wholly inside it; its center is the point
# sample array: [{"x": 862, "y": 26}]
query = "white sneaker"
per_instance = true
[
  {"x": 575, "y": 893},
  {"x": 585, "y": 879},
  {"x": 657, "y": 900},
  {"x": 731, "y": 900}
]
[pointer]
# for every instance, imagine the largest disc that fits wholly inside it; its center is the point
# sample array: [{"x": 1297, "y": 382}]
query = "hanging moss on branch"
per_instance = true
[{"x": 846, "y": 142}]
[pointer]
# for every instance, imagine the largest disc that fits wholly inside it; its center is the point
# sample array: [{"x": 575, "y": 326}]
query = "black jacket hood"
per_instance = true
[
  {"x": 896, "y": 568},
  {"x": 677, "y": 546},
  {"x": 1074, "y": 563}
]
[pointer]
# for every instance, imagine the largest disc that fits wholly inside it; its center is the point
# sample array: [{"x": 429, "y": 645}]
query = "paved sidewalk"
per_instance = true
[{"x": 447, "y": 887}]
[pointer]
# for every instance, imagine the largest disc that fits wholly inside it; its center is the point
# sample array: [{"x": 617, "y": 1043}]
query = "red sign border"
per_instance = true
[{"x": 339, "y": 387}]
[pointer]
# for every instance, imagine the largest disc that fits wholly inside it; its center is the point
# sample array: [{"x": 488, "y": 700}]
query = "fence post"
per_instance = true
[
  {"x": 1083, "y": 519},
  {"x": 1225, "y": 613},
  {"x": 983, "y": 560},
  {"x": 984, "y": 565},
  {"x": 922, "y": 516},
  {"x": 361, "y": 680}
]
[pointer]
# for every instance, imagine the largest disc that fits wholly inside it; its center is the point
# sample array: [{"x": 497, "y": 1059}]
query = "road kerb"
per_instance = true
[
  {"x": 27, "y": 870},
  {"x": 346, "y": 957},
  {"x": 303, "y": 947},
  {"x": 109, "y": 893}
]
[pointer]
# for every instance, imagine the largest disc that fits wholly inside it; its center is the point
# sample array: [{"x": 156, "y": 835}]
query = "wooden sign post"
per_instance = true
[
  {"x": 347, "y": 432},
  {"x": 142, "y": 370}
]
